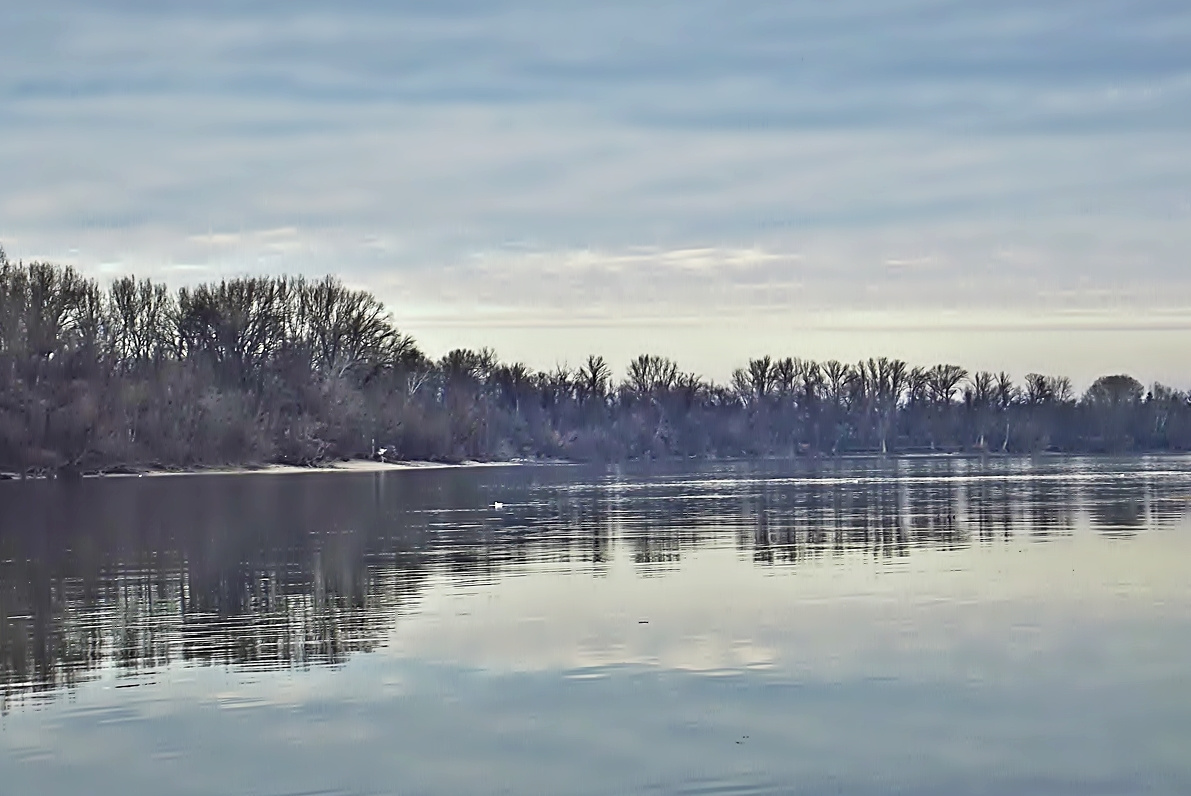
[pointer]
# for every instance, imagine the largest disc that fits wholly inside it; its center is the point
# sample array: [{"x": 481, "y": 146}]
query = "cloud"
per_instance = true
[{"x": 693, "y": 157}]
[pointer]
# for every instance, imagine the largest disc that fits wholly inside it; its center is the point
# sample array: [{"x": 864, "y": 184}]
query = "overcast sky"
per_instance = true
[{"x": 998, "y": 184}]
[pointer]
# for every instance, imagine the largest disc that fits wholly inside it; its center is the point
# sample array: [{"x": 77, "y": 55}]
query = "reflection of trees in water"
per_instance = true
[
  {"x": 887, "y": 508},
  {"x": 267, "y": 571},
  {"x": 1126, "y": 507},
  {"x": 138, "y": 574},
  {"x": 792, "y": 524},
  {"x": 779, "y": 513},
  {"x": 1124, "y": 515},
  {"x": 256, "y": 571}
]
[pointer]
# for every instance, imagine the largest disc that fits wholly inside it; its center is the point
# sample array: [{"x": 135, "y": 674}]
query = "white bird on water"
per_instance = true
[{"x": 498, "y": 505}]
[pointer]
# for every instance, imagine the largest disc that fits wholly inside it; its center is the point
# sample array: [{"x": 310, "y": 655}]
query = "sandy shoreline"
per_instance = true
[{"x": 352, "y": 466}]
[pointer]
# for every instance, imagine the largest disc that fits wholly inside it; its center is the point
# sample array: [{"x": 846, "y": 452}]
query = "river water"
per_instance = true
[{"x": 918, "y": 625}]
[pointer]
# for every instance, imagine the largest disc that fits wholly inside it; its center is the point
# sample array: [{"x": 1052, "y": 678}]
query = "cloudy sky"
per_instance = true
[{"x": 1004, "y": 185}]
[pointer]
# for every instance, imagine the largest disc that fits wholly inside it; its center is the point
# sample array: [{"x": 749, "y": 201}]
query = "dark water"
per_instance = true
[{"x": 939, "y": 626}]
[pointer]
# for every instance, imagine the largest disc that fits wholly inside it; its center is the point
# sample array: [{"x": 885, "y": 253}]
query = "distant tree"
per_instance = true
[
  {"x": 979, "y": 397},
  {"x": 760, "y": 377},
  {"x": 291, "y": 370},
  {"x": 1005, "y": 395},
  {"x": 785, "y": 375},
  {"x": 650, "y": 376},
  {"x": 1114, "y": 404},
  {"x": 1045, "y": 399},
  {"x": 593, "y": 378},
  {"x": 1114, "y": 391}
]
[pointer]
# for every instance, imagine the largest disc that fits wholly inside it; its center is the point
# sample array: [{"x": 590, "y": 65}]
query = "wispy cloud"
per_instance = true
[{"x": 689, "y": 155}]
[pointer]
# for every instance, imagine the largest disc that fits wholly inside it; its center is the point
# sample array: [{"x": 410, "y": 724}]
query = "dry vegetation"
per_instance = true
[{"x": 286, "y": 370}]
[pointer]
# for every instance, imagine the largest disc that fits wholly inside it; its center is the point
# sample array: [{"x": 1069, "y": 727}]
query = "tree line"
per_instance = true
[{"x": 290, "y": 370}]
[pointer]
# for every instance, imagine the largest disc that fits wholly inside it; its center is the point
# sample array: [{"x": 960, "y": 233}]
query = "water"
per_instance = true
[{"x": 931, "y": 625}]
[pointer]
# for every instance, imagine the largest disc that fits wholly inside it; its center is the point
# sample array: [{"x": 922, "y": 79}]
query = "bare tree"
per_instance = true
[
  {"x": 760, "y": 377},
  {"x": 978, "y": 398},
  {"x": 285, "y": 369},
  {"x": 836, "y": 375},
  {"x": 943, "y": 380},
  {"x": 650, "y": 375},
  {"x": 785, "y": 375},
  {"x": 593, "y": 378}
]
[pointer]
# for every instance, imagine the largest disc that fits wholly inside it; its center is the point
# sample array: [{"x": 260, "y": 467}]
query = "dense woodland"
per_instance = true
[{"x": 288, "y": 370}]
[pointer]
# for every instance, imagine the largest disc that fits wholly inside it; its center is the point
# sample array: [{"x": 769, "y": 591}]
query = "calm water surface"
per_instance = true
[{"x": 941, "y": 626}]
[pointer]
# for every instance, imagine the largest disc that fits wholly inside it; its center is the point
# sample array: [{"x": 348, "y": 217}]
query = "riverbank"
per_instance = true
[
  {"x": 372, "y": 466},
  {"x": 349, "y": 466}
]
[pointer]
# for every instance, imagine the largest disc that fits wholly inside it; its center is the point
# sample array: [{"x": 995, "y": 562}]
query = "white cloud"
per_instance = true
[{"x": 681, "y": 159}]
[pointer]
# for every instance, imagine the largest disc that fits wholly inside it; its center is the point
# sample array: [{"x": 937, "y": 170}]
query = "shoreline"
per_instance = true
[
  {"x": 346, "y": 466},
  {"x": 370, "y": 466}
]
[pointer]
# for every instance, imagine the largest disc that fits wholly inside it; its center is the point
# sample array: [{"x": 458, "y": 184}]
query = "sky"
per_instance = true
[{"x": 1001, "y": 185}]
